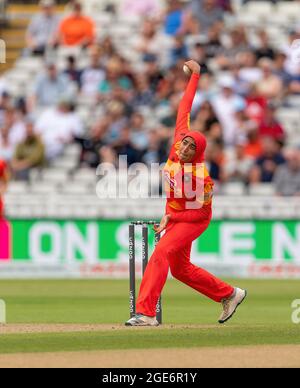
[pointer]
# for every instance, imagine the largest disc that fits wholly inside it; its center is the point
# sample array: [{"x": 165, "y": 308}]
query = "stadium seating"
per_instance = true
[
  {"x": 55, "y": 175},
  {"x": 233, "y": 189},
  {"x": 57, "y": 191},
  {"x": 288, "y": 10},
  {"x": 70, "y": 205},
  {"x": 17, "y": 188},
  {"x": 85, "y": 176},
  {"x": 46, "y": 188},
  {"x": 262, "y": 189},
  {"x": 261, "y": 9}
]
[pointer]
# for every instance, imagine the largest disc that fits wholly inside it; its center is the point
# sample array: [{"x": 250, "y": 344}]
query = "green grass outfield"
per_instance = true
[{"x": 265, "y": 318}]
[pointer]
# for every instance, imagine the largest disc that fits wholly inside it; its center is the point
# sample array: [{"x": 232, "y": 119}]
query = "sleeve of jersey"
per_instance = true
[{"x": 185, "y": 107}]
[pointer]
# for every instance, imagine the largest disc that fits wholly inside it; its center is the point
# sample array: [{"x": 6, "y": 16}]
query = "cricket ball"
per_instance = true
[{"x": 187, "y": 70}]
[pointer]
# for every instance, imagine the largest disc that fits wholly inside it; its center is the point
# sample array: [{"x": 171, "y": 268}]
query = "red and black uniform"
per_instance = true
[
  {"x": 3, "y": 179},
  {"x": 191, "y": 214}
]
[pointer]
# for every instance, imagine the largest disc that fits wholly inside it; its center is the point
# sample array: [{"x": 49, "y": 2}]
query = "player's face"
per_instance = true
[{"x": 187, "y": 150}]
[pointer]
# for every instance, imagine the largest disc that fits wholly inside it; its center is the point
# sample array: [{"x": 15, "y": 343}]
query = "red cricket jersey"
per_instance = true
[
  {"x": 272, "y": 129},
  {"x": 182, "y": 181}
]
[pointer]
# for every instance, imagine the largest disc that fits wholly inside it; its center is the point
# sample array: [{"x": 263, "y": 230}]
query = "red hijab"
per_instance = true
[{"x": 201, "y": 144}]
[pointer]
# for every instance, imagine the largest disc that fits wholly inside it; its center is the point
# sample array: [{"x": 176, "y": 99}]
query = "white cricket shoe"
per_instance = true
[
  {"x": 141, "y": 320},
  {"x": 231, "y": 304}
]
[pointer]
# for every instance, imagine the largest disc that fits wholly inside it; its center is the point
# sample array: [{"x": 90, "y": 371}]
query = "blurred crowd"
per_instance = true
[{"x": 243, "y": 84}]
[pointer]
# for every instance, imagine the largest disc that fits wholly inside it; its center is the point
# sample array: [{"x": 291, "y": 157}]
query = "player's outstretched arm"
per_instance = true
[{"x": 185, "y": 106}]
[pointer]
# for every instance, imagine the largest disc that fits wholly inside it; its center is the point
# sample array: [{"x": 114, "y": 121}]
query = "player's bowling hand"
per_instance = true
[
  {"x": 163, "y": 224},
  {"x": 193, "y": 66}
]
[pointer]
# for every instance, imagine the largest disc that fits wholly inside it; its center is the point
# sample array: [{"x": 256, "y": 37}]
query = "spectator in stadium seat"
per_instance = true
[
  {"x": 206, "y": 13},
  {"x": 57, "y": 127},
  {"x": 121, "y": 96},
  {"x": 151, "y": 42},
  {"x": 73, "y": 73},
  {"x": 207, "y": 91},
  {"x": 270, "y": 126},
  {"x": 41, "y": 31},
  {"x": 30, "y": 153},
  {"x": 199, "y": 55},
  {"x": 124, "y": 147},
  {"x": 214, "y": 161},
  {"x": 265, "y": 49},
  {"x": 179, "y": 80},
  {"x": 294, "y": 84},
  {"x": 174, "y": 17},
  {"x": 113, "y": 122},
  {"x": 108, "y": 155},
  {"x": 13, "y": 128},
  {"x": 155, "y": 152},
  {"x": 238, "y": 166},
  {"x": 239, "y": 39},
  {"x": 270, "y": 86},
  {"x": 267, "y": 164},
  {"x": 20, "y": 106},
  {"x": 213, "y": 43},
  {"x": 141, "y": 9},
  {"x": 93, "y": 75},
  {"x": 225, "y": 104},
  {"x": 253, "y": 145},
  {"x": 179, "y": 51},
  {"x": 280, "y": 71},
  {"x": 256, "y": 105},
  {"x": 5, "y": 104},
  {"x": 76, "y": 29},
  {"x": 153, "y": 72},
  {"x": 291, "y": 66},
  {"x": 249, "y": 72},
  {"x": 49, "y": 87},
  {"x": 238, "y": 44},
  {"x": 168, "y": 120},
  {"x": 107, "y": 50},
  {"x": 207, "y": 123},
  {"x": 4, "y": 88},
  {"x": 127, "y": 68},
  {"x": 225, "y": 5},
  {"x": 6, "y": 146},
  {"x": 287, "y": 176},
  {"x": 241, "y": 87},
  {"x": 138, "y": 134},
  {"x": 12, "y": 131},
  {"x": 115, "y": 77},
  {"x": 90, "y": 146},
  {"x": 244, "y": 124},
  {"x": 144, "y": 96}
]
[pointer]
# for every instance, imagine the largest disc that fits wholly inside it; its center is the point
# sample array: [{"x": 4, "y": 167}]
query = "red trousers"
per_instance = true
[{"x": 173, "y": 252}]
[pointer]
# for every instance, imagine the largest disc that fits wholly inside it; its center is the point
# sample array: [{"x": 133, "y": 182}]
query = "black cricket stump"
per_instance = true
[{"x": 145, "y": 258}]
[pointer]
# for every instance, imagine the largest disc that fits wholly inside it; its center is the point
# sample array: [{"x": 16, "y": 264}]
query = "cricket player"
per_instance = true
[
  {"x": 4, "y": 176},
  {"x": 186, "y": 218}
]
